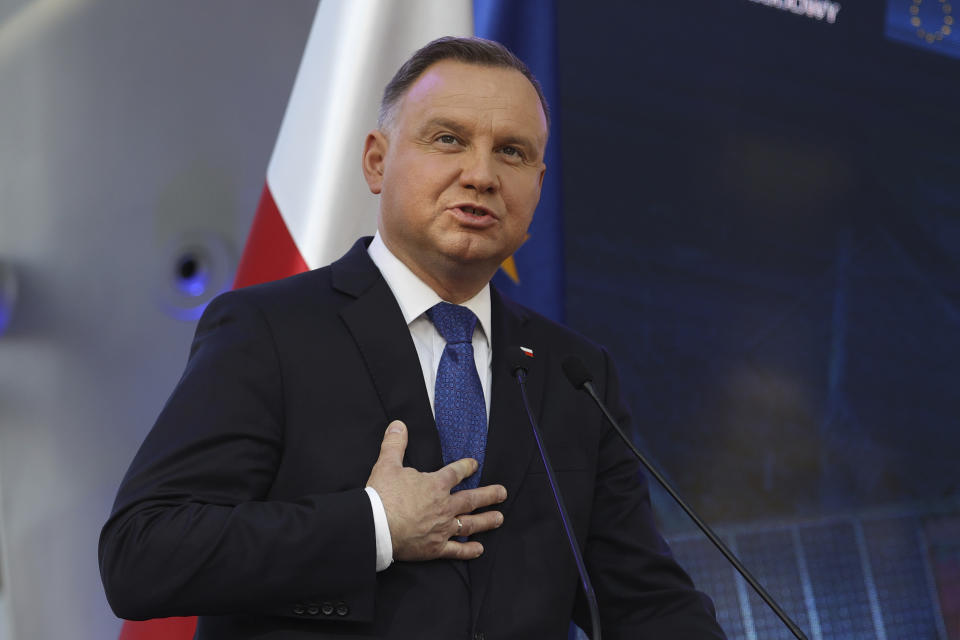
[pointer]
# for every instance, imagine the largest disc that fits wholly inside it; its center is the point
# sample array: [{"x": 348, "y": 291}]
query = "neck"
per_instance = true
[
  {"x": 456, "y": 288},
  {"x": 453, "y": 282}
]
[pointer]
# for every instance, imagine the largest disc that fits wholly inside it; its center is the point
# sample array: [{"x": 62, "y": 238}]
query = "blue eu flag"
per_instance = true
[
  {"x": 928, "y": 24},
  {"x": 535, "y": 275}
]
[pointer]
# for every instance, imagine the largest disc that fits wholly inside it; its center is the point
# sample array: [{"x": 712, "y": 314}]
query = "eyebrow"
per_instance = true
[{"x": 443, "y": 123}]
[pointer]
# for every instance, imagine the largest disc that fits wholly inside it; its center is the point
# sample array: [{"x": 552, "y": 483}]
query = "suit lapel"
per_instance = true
[
  {"x": 376, "y": 323},
  {"x": 510, "y": 442}
]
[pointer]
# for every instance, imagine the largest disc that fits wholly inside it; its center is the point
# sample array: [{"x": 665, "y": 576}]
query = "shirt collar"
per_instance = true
[{"x": 414, "y": 295}]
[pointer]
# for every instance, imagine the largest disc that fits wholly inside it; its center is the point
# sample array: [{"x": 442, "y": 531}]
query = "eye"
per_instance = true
[
  {"x": 512, "y": 152},
  {"x": 447, "y": 138}
]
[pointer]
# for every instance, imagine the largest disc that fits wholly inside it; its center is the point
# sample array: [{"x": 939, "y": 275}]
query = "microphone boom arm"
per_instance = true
[{"x": 521, "y": 376}]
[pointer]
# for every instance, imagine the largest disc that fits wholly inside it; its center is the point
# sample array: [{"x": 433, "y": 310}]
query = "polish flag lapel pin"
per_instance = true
[{"x": 527, "y": 351}]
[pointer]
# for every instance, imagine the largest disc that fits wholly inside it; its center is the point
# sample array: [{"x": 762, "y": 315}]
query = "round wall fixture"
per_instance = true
[
  {"x": 8, "y": 295},
  {"x": 198, "y": 267}
]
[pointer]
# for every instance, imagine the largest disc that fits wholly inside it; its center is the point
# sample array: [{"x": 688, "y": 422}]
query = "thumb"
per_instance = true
[{"x": 394, "y": 444}]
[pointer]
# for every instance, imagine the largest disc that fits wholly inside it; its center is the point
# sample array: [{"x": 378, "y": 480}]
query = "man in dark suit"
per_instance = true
[{"x": 336, "y": 463}]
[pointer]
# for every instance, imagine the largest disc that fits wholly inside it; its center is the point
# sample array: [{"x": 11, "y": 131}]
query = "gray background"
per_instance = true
[{"x": 127, "y": 129}]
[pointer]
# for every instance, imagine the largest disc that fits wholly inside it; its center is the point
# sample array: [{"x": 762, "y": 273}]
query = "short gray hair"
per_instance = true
[{"x": 478, "y": 51}]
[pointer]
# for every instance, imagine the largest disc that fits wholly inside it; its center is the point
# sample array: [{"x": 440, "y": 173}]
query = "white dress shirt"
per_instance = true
[{"x": 415, "y": 297}]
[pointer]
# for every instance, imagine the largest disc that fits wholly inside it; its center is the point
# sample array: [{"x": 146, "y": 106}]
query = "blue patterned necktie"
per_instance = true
[{"x": 458, "y": 404}]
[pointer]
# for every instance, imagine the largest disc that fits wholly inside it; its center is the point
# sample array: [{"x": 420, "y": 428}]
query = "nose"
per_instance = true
[{"x": 479, "y": 172}]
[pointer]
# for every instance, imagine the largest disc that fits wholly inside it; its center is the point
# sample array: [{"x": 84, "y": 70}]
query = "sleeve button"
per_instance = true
[
  {"x": 327, "y": 609},
  {"x": 342, "y": 609},
  {"x": 313, "y": 609},
  {"x": 298, "y": 609}
]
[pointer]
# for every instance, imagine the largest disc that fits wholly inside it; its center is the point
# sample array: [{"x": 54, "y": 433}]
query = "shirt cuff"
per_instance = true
[{"x": 381, "y": 530}]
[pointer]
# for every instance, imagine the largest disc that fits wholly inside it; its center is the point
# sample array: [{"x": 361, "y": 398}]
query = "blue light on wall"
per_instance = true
[
  {"x": 192, "y": 273},
  {"x": 199, "y": 266},
  {"x": 8, "y": 295}
]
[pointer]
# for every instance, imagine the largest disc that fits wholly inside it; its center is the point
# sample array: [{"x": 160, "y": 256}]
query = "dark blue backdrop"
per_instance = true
[{"x": 762, "y": 216}]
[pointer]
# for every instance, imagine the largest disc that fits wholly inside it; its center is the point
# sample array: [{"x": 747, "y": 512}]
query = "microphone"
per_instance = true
[
  {"x": 581, "y": 379},
  {"x": 518, "y": 367}
]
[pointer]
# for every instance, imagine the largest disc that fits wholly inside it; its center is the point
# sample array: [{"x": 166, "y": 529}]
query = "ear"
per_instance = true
[
  {"x": 372, "y": 162},
  {"x": 543, "y": 172}
]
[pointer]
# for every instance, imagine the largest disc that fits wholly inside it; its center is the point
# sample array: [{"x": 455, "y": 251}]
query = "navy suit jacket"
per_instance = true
[{"x": 245, "y": 504}]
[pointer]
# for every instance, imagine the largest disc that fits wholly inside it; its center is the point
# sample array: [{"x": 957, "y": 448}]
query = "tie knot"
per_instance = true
[{"x": 455, "y": 323}]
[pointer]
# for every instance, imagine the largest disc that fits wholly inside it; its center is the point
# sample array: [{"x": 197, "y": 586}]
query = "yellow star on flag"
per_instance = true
[{"x": 509, "y": 266}]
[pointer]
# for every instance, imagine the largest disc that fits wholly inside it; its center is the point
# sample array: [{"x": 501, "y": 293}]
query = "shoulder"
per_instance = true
[
  {"x": 324, "y": 287},
  {"x": 289, "y": 305},
  {"x": 293, "y": 290}
]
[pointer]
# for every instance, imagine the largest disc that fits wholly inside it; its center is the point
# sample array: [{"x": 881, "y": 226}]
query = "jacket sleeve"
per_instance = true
[
  {"x": 641, "y": 590},
  {"x": 192, "y": 530}
]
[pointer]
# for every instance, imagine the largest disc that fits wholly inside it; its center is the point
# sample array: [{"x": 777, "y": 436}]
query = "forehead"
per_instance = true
[{"x": 498, "y": 95}]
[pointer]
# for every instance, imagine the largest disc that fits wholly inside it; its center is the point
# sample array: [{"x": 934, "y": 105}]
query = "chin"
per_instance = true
[{"x": 471, "y": 251}]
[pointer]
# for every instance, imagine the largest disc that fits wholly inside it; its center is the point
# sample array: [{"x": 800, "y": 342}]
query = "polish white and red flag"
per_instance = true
[{"x": 315, "y": 203}]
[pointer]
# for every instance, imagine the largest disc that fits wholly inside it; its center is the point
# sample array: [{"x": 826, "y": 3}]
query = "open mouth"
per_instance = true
[{"x": 474, "y": 216}]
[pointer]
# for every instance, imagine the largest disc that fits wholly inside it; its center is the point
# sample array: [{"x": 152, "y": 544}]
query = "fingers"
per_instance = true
[
  {"x": 455, "y": 472},
  {"x": 458, "y": 470},
  {"x": 454, "y": 550},
  {"x": 394, "y": 444},
  {"x": 422, "y": 512},
  {"x": 469, "y": 500},
  {"x": 471, "y": 549},
  {"x": 477, "y": 523}
]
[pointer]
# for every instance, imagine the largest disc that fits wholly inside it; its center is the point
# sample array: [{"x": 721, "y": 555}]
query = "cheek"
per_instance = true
[
  {"x": 521, "y": 200},
  {"x": 403, "y": 187},
  {"x": 423, "y": 180},
  {"x": 423, "y": 161},
  {"x": 407, "y": 204}
]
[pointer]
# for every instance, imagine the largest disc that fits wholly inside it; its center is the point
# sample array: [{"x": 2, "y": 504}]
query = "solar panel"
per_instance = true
[
  {"x": 902, "y": 578},
  {"x": 713, "y": 575},
  {"x": 771, "y": 557},
  {"x": 838, "y": 582}
]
